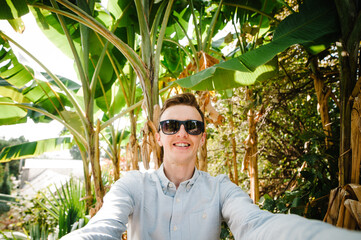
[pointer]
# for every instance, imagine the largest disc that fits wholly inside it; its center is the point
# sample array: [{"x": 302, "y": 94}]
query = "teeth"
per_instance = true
[{"x": 182, "y": 144}]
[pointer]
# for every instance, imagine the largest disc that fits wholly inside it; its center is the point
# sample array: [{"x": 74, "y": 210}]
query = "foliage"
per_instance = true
[
  {"x": 13, "y": 165},
  {"x": 7, "y": 235},
  {"x": 225, "y": 232},
  {"x": 66, "y": 206},
  {"x": 5, "y": 186},
  {"x": 54, "y": 211},
  {"x": 297, "y": 170}
]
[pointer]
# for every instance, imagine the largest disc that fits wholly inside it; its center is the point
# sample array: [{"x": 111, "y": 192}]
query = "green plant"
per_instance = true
[
  {"x": 13, "y": 235},
  {"x": 313, "y": 182},
  {"x": 225, "y": 232},
  {"x": 38, "y": 231},
  {"x": 66, "y": 205}
]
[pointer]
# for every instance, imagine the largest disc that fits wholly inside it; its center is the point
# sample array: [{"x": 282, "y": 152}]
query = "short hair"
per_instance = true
[{"x": 187, "y": 99}]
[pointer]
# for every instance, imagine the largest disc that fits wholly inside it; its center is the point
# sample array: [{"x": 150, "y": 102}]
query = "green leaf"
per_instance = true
[
  {"x": 11, "y": 9},
  {"x": 11, "y": 70},
  {"x": 124, "y": 15},
  {"x": 10, "y": 114},
  {"x": 50, "y": 26},
  {"x": 231, "y": 75},
  {"x": 72, "y": 118},
  {"x": 112, "y": 101},
  {"x": 33, "y": 149},
  {"x": 45, "y": 96},
  {"x": 297, "y": 201},
  {"x": 18, "y": 75},
  {"x": 17, "y": 24},
  {"x": 315, "y": 20},
  {"x": 12, "y": 93},
  {"x": 70, "y": 84}
]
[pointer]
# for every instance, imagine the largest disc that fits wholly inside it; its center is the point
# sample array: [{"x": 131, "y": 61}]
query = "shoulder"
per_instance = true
[
  {"x": 131, "y": 183},
  {"x": 226, "y": 187},
  {"x": 135, "y": 178},
  {"x": 214, "y": 183},
  {"x": 221, "y": 178}
]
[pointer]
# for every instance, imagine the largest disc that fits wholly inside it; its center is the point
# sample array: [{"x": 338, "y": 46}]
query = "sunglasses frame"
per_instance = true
[{"x": 161, "y": 123}]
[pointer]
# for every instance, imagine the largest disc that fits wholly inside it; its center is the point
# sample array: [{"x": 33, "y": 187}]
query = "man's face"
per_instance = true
[{"x": 181, "y": 147}]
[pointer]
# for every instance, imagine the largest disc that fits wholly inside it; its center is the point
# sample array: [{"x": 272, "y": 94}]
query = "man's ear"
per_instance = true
[
  {"x": 157, "y": 137},
  {"x": 203, "y": 139}
]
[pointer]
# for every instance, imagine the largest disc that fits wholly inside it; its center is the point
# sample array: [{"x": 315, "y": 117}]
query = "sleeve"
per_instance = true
[
  {"x": 247, "y": 221},
  {"x": 110, "y": 221}
]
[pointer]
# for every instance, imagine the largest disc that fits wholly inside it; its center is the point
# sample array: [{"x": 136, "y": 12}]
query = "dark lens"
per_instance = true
[
  {"x": 170, "y": 126},
  {"x": 194, "y": 127}
]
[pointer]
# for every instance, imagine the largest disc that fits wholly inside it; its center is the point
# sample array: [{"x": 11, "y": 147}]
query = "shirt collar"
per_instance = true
[{"x": 168, "y": 186}]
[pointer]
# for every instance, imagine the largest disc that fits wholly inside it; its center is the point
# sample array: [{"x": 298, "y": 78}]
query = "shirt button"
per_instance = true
[
  {"x": 178, "y": 200},
  {"x": 204, "y": 216},
  {"x": 175, "y": 228}
]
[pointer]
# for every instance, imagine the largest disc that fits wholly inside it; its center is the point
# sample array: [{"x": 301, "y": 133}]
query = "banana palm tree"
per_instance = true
[{"x": 87, "y": 32}]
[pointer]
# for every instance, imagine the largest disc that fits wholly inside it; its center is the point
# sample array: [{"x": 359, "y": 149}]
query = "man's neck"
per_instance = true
[{"x": 178, "y": 173}]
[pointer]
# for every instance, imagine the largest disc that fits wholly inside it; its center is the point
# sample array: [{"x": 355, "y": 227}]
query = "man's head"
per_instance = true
[{"x": 181, "y": 130}]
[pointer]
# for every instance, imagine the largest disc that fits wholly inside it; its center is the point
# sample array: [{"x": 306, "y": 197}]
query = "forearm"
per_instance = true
[
  {"x": 247, "y": 221},
  {"x": 110, "y": 221},
  {"x": 264, "y": 225},
  {"x": 94, "y": 230}
]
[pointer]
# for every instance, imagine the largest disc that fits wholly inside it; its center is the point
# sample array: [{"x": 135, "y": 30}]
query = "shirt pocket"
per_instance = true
[{"x": 205, "y": 224}]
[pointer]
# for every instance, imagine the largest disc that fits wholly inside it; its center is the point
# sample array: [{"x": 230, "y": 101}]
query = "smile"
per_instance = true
[{"x": 181, "y": 144}]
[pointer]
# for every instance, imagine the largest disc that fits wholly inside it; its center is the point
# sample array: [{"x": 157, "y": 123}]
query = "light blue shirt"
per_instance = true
[{"x": 152, "y": 208}]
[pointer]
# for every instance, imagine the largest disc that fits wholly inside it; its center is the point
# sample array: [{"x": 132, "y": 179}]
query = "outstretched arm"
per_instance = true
[
  {"x": 247, "y": 221},
  {"x": 110, "y": 222}
]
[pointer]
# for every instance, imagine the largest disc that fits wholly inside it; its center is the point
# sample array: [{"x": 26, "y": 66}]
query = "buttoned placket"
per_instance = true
[
  {"x": 177, "y": 221},
  {"x": 177, "y": 213}
]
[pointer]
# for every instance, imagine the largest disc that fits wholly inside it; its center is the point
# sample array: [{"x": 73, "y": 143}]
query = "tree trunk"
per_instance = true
[
  {"x": 116, "y": 164},
  {"x": 93, "y": 151},
  {"x": 322, "y": 93},
  {"x": 345, "y": 158},
  {"x": 87, "y": 179},
  {"x": 202, "y": 154},
  {"x": 251, "y": 152},
  {"x": 229, "y": 166},
  {"x": 234, "y": 152},
  {"x": 356, "y": 139},
  {"x": 348, "y": 49},
  {"x": 203, "y": 165},
  {"x": 132, "y": 154}
]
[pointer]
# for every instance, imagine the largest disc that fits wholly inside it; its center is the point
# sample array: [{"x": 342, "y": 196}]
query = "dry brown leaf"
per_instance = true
[{"x": 354, "y": 207}]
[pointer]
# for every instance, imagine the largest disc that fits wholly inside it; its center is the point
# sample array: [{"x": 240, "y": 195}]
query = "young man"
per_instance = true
[{"x": 179, "y": 202}]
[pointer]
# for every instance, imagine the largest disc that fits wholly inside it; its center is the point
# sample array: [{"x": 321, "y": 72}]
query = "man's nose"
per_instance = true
[{"x": 182, "y": 131}]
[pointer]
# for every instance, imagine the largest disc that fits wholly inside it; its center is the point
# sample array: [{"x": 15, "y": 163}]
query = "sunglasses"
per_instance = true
[{"x": 192, "y": 127}]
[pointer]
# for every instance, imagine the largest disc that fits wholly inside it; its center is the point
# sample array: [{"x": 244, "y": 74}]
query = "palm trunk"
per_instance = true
[
  {"x": 116, "y": 162},
  {"x": 87, "y": 179},
  {"x": 93, "y": 151},
  {"x": 322, "y": 97},
  {"x": 356, "y": 139},
  {"x": 348, "y": 49},
  {"x": 202, "y": 161},
  {"x": 251, "y": 152},
  {"x": 346, "y": 86},
  {"x": 234, "y": 152},
  {"x": 133, "y": 147},
  {"x": 229, "y": 166}
]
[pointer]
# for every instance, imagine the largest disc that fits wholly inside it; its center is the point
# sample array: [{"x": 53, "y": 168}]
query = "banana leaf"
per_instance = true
[
  {"x": 9, "y": 114},
  {"x": 33, "y": 149},
  {"x": 315, "y": 20},
  {"x": 13, "y": 9}
]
